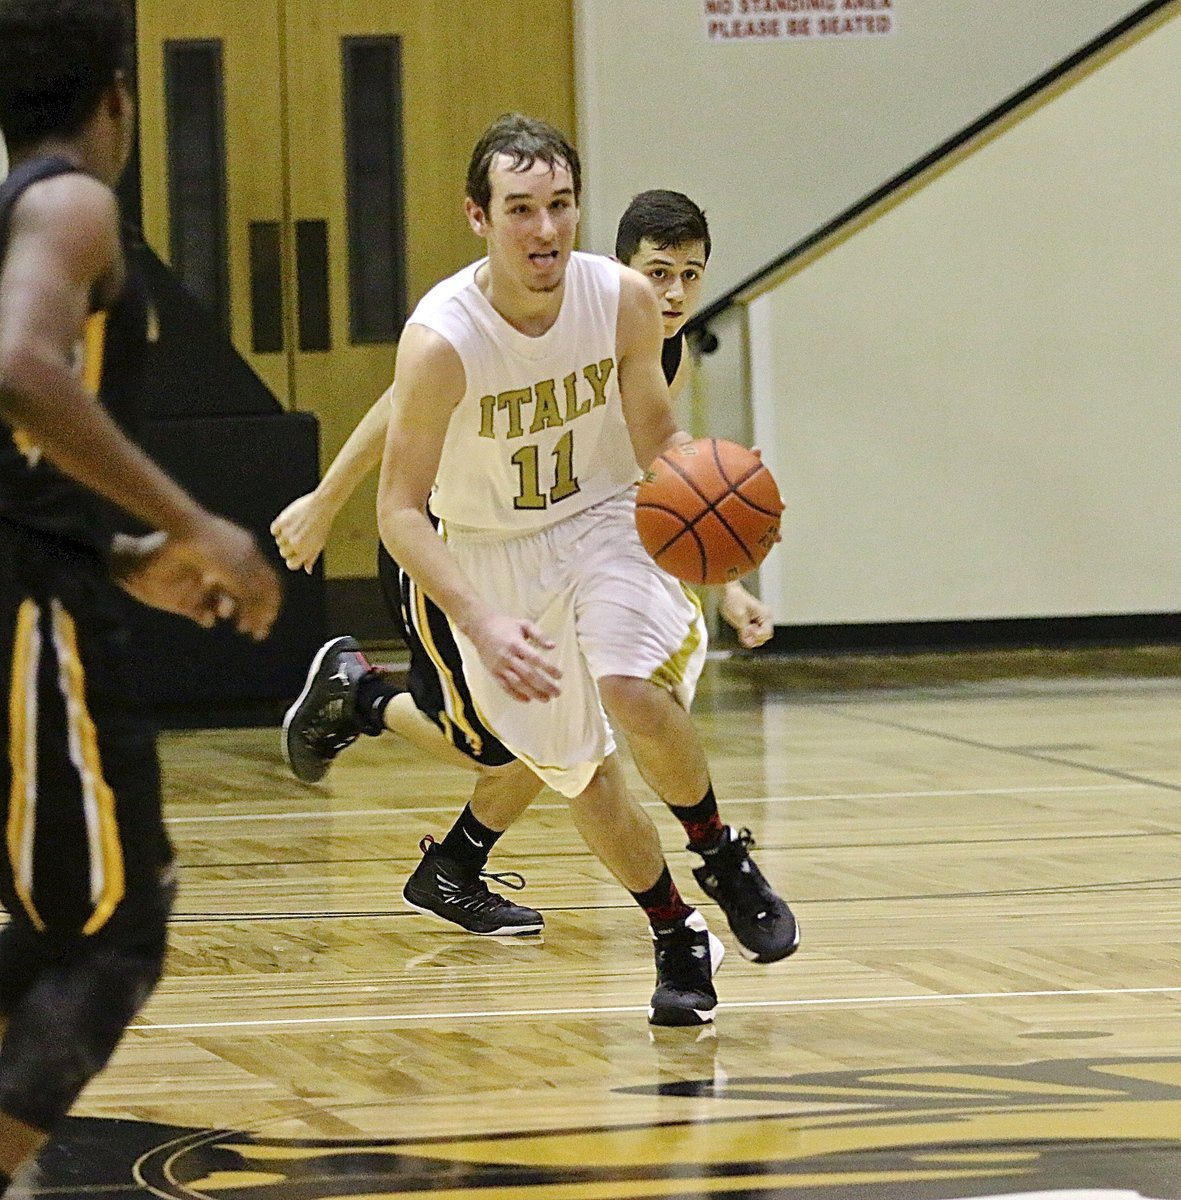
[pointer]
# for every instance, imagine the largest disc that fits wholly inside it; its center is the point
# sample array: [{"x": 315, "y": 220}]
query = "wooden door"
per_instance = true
[
  {"x": 347, "y": 128},
  {"x": 212, "y": 164},
  {"x": 347, "y": 67}
]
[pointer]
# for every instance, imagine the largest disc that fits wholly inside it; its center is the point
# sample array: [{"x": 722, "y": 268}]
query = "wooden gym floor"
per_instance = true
[{"x": 986, "y": 1001}]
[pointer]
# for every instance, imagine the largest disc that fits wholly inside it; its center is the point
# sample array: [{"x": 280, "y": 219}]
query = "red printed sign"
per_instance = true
[{"x": 730, "y": 21}]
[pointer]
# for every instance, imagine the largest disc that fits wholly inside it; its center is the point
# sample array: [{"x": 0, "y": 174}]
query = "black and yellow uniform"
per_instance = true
[
  {"x": 85, "y": 871},
  {"x": 435, "y": 679},
  {"x": 670, "y": 356}
]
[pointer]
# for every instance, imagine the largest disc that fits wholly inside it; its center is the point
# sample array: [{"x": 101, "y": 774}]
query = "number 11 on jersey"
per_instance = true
[{"x": 526, "y": 460}]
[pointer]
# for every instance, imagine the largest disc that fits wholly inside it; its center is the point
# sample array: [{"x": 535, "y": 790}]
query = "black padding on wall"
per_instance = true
[
  {"x": 192, "y": 369},
  {"x": 247, "y": 468}
]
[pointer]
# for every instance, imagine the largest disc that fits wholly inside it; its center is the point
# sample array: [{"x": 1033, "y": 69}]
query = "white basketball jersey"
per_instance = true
[{"x": 539, "y": 434}]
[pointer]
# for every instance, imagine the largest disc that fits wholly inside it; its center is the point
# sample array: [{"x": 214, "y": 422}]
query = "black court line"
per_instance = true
[
  {"x": 1160, "y": 883},
  {"x": 761, "y": 846},
  {"x": 1166, "y": 883},
  {"x": 1014, "y": 751}
]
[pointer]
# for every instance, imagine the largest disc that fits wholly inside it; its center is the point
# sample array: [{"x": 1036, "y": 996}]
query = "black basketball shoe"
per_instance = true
[
  {"x": 442, "y": 887},
  {"x": 763, "y": 924},
  {"x": 687, "y": 955},
  {"x": 323, "y": 721}
]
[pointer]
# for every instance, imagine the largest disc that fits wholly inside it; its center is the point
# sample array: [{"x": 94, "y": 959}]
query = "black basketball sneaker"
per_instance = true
[
  {"x": 765, "y": 927},
  {"x": 323, "y": 720},
  {"x": 442, "y": 887},
  {"x": 687, "y": 955}
]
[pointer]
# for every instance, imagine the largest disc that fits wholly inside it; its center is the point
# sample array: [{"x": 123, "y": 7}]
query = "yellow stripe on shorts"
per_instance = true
[
  {"x": 22, "y": 754},
  {"x": 107, "y": 881},
  {"x": 671, "y": 673},
  {"x": 455, "y": 710}
]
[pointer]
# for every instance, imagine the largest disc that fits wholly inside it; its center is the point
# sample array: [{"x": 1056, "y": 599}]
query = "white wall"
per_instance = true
[
  {"x": 972, "y": 405},
  {"x": 775, "y": 139}
]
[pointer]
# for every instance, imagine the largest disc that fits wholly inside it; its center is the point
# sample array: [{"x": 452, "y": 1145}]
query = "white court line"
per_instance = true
[
  {"x": 319, "y": 814},
  {"x": 733, "y": 1006}
]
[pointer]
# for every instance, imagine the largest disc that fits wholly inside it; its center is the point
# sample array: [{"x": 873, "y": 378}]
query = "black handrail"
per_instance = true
[{"x": 698, "y": 325}]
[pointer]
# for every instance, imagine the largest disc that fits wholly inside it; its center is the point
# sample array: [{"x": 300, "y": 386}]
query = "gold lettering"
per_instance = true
[
  {"x": 513, "y": 401},
  {"x": 529, "y": 493},
  {"x": 597, "y": 377},
  {"x": 573, "y": 408},
  {"x": 488, "y": 416},
  {"x": 546, "y": 414}
]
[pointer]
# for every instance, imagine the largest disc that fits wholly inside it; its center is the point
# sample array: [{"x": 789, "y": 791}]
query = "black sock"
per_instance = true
[
  {"x": 702, "y": 823},
  {"x": 374, "y": 692},
  {"x": 663, "y": 904},
  {"x": 469, "y": 841}
]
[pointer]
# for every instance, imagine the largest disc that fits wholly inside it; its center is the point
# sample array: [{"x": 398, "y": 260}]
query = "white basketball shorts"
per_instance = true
[{"x": 590, "y": 585}]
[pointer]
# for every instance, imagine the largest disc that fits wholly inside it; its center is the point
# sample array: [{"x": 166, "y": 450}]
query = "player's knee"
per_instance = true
[
  {"x": 514, "y": 774},
  {"x": 138, "y": 929},
  {"x": 635, "y": 706}
]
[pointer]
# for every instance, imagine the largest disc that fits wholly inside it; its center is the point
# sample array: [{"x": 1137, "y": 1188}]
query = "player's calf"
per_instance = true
[
  {"x": 61, "y": 1033},
  {"x": 67, "y": 1000}
]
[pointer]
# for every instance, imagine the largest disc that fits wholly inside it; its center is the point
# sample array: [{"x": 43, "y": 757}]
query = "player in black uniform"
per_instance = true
[
  {"x": 665, "y": 236},
  {"x": 86, "y": 871}
]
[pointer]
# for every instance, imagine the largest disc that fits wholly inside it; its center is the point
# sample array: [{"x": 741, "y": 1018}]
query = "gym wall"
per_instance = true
[
  {"x": 775, "y": 138},
  {"x": 971, "y": 403},
  {"x": 871, "y": 377}
]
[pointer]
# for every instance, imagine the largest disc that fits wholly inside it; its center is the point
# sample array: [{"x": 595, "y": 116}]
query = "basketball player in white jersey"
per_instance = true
[
  {"x": 662, "y": 234},
  {"x": 529, "y": 391},
  {"x": 665, "y": 236}
]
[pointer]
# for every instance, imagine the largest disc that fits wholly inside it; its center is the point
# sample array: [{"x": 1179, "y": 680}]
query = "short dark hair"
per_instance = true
[
  {"x": 525, "y": 140},
  {"x": 665, "y": 218},
  {"x": 57, "y": 57}
]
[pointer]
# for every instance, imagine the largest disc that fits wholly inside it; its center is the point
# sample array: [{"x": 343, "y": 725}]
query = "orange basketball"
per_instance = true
[{"x": 708, "y": 511}]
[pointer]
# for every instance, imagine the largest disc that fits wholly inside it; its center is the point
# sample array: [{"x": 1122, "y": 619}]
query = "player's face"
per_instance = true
[
  {"x": 676, "y": 274},
  {"x": 531, "y": 221}
]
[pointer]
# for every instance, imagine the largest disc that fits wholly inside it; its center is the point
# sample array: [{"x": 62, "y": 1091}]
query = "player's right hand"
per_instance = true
[
  {"x": 301, "y": 532},
  {"x": 513, "y": 651},
  {"x": 244, "y": 588},
  {"x": 146, "y": 568}
]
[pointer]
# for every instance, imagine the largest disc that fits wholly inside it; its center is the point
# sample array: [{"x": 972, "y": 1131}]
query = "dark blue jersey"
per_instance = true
[{"x": 33, "y": 493}]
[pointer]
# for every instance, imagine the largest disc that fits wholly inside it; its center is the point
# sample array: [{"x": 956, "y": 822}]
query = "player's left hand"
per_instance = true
[
  {"x": 301, "y": 531},
  {"x": 747, "y": 615}
]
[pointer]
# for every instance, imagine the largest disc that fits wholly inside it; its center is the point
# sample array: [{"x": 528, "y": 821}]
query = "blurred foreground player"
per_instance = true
[{"x": 86, "y": 872}]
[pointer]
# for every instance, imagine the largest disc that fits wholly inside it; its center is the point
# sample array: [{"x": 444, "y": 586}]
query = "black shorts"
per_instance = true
[
  {"x": 86, "y": 846},
  {"x": 436, "y": 681}
]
